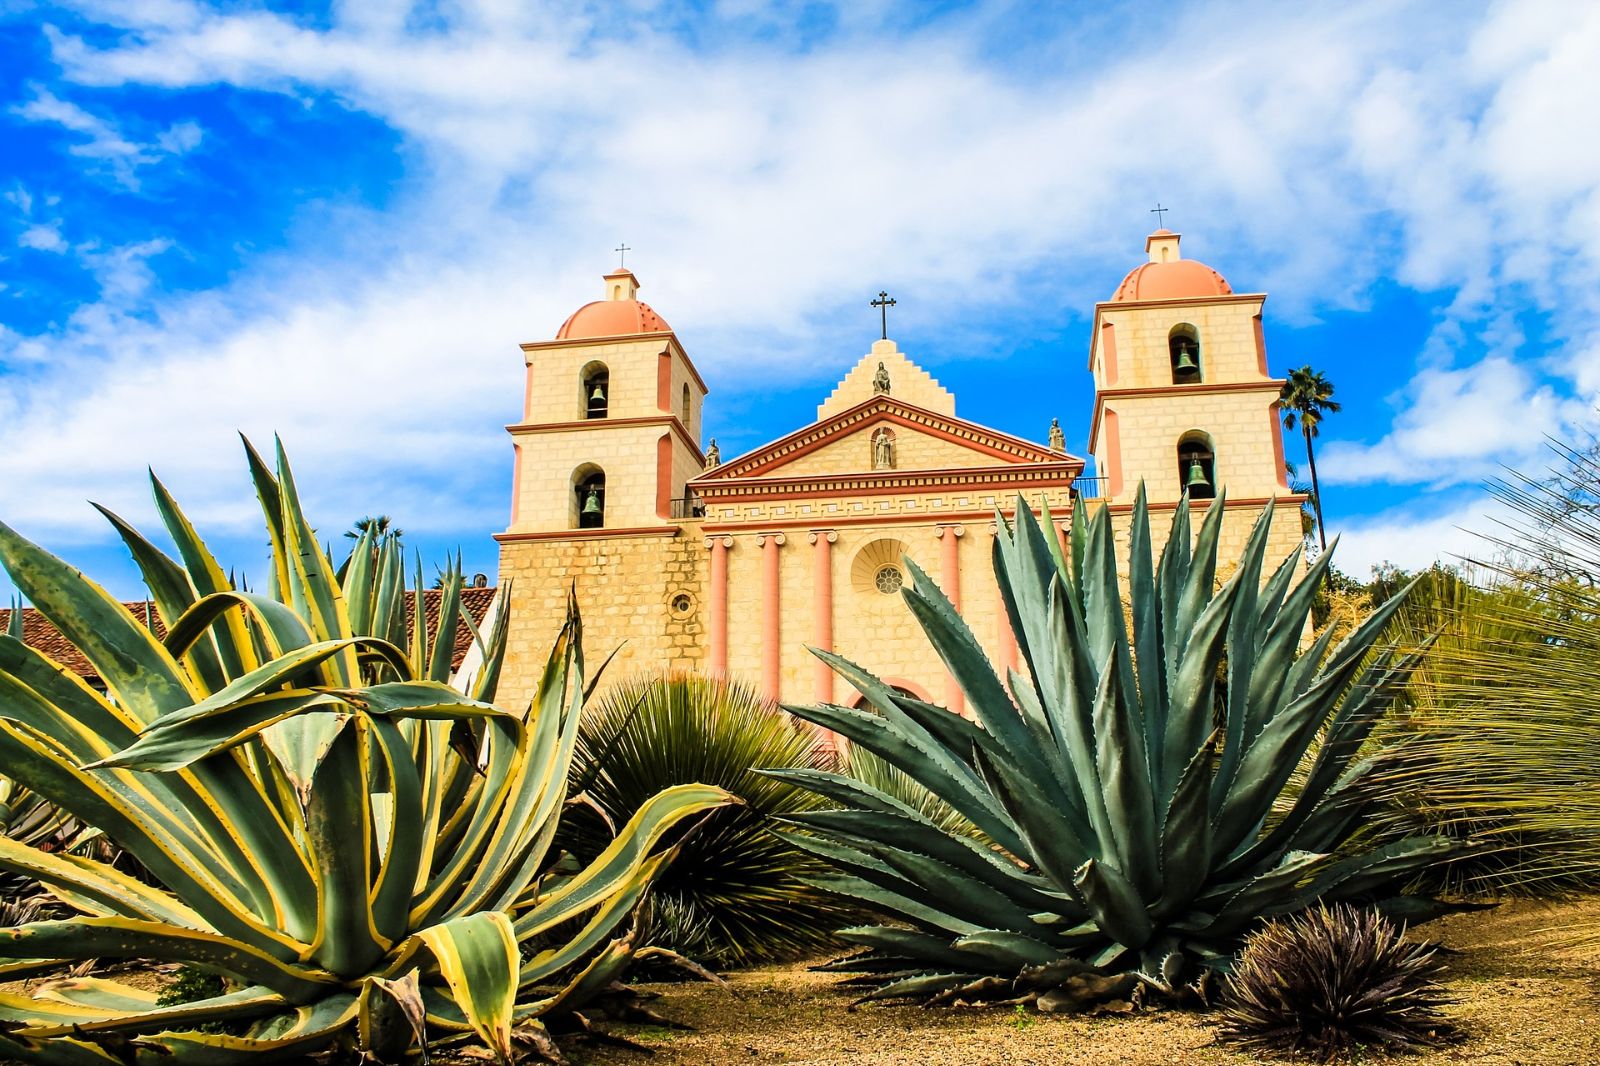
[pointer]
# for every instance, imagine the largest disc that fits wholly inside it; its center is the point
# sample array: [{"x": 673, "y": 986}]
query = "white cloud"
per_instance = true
[
  {"x": 775, "y": 181},
  {"x": 1458, "y": 425},
  {"x": 1413, "y": 537},
  {"x": 104, "y": 141},
  {"x": 43, "y": 237}
]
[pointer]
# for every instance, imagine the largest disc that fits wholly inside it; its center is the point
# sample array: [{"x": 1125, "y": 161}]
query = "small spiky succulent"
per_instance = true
[{"x": 1332, "y": 981}]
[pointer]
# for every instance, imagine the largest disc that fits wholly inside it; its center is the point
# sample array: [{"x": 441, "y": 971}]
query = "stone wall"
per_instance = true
[{"x": 626, "y": 588}]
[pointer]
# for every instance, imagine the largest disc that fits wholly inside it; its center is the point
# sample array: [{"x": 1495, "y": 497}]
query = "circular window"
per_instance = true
[
  {"x": 681, "y": 604},
  {"x": 889, "y": 580}
]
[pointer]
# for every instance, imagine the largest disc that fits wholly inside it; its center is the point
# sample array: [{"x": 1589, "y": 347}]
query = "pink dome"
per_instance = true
[
  {"x": 1180, "y": 279},
  {"x": 612, "y": 318}
]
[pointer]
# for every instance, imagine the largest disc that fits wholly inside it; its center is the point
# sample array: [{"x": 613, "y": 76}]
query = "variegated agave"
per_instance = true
[
  {"x": 1133, "y": 810},
  {"x": 359, "y": 847}
]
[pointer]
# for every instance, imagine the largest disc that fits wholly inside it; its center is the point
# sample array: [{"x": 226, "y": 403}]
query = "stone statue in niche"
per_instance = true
[
  {"x": 883, "y": 450},
  {"x": 713, "y": 455},
  {"x": 880, "y": 381},
  {"x": 1058, "y": 440}
]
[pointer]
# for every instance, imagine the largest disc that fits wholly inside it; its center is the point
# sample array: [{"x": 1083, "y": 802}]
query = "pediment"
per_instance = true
[{"x": 843, "y": 445}]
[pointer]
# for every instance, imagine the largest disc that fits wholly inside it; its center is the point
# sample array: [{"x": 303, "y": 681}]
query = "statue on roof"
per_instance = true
[
  {"x": 1058, "y": 440},
  {"x": 880, "y": 381},
  {"x": 713, "y": 455}
]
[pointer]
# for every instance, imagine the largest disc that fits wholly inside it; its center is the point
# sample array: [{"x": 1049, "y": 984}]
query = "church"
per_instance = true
[{"x": 732, "y": 566}]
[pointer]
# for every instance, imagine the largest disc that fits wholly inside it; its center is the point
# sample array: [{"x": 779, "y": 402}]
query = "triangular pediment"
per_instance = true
[{"x": 844, "y": 444}]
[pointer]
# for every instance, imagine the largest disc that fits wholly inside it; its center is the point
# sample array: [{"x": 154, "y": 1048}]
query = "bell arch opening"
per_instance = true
[
  {"x": 1197, "y": 465},
  {"x": 595, "y": 391},
  {"x": 1183, "y": 352},
  {"x": 587, "y": 500}
]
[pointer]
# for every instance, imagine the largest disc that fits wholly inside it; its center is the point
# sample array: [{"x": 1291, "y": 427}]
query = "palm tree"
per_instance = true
[
  {"x": 379, "y": 527},
  {"x": 1307, "y": 396}
]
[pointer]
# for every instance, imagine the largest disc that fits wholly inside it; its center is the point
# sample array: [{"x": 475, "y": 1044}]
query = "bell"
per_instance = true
[
  {"x": 592, "y": 504},
  {"x": 598, "y": 395},
  {"x": 1197, "y": 476},
  {"x": 1185, "y": 363}
]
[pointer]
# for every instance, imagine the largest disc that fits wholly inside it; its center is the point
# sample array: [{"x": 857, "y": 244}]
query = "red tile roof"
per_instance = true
[{"x": 37, "y": 632}]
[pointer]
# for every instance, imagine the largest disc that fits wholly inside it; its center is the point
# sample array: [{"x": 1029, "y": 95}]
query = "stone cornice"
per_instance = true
[
  {"x": 982, "y": 439},
  {"x": 888, "y": 482},
  {"x": 676, "y": 424},
  {"x": 1138, "y": 305},
  {"x": 1199, "y": 388},
  {"x": 621, "y": 338},
  {"x": 511, "y": 537}
]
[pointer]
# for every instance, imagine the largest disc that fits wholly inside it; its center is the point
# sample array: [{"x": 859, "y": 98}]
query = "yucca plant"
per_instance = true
[
  {"x": 357, "y": 846},
  {"x": 1501, "y": 739},
  {"x": 1127, "y": 806},
  {"x": 1332, "y": 982},
  {"x": 736, "y": 894}
]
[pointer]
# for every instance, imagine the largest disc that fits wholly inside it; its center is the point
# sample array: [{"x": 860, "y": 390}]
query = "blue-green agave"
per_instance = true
[
  {"x": 1129, "y": 789},
  {"x": 359, "y": 847}
]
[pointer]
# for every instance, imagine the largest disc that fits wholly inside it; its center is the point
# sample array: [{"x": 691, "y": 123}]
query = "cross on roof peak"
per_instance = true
[{"x": 883, "y": 303}]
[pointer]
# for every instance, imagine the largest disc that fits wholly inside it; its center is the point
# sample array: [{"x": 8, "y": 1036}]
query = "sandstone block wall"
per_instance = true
[{"x": 626, "y": 589}]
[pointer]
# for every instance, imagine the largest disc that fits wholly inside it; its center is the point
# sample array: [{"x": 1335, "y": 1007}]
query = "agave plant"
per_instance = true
[
  {"x": 1125, "y": 797},
  {"x": 357, "y": 846}
]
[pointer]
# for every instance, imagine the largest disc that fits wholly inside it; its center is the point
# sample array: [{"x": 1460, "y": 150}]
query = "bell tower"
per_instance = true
[
  {"x": 1183, "y": 398},
  {"x": 611, "y": 422}
]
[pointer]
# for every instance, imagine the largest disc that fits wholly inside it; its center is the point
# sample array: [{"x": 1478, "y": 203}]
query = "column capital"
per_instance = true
[
  {"x": 955, "y": 529},
  {"x": 778, "y": 539},
  {"x": 722, "y": 541},
  {"x": 830, "y": 535}
]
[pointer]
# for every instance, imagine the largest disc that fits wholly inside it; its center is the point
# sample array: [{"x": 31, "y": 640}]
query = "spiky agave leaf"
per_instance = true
[
  {"x": 358, "y": 846},
  {"x": 1132, "y": 819}
]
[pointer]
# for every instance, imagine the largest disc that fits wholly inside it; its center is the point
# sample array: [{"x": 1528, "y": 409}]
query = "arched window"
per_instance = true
[
  {"x": 1197, "y": 466},
  {"x": 686, "y": 407},
  {"x": 596, "y": 398},
  {"x": 588, "y": 497},
  {"x": 1183, "y": 347}
]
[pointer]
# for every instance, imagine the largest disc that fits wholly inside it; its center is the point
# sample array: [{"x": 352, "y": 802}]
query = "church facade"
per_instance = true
[{"x": 689, "y": 562}]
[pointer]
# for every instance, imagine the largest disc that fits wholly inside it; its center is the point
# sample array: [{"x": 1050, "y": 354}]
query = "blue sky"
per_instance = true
[{"x": 335, "y": 221}]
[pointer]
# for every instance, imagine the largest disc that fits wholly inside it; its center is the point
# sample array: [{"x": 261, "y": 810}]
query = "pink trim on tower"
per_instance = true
[
  {"x": 1108, "y": 352},
  {"x": 664, "y": 381},
  {"x": 1277, "y": 447},
  {"x": 1261, "y": 347},
  {"x": 516, "y": 481},
  {"x": 771, "y": 618},
  {"x": 719, "y": 604},
  {"x": 527, "y": 396},
  {"x": 664, "y": 477},
  {"x": 822, "y": 634},
  {"x": 1113, "y": 470},
  {"x": 950, "y": 581}
]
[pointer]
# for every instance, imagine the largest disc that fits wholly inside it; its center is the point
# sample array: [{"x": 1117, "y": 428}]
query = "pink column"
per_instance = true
[
  {"x": 950, "y": 581},
  {"x": 822, "y": 632},
  {"x": 771, "y": 630},
  {"x": 719, "y": 604}
]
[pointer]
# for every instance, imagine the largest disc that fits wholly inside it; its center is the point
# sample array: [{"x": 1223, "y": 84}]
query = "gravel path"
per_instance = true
[{"x": 1526, "y": 997}]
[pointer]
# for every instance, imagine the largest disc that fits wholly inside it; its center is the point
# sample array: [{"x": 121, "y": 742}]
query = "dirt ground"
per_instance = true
[{"x": 1526, "y": 996}]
